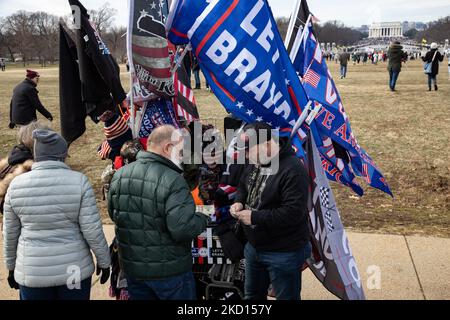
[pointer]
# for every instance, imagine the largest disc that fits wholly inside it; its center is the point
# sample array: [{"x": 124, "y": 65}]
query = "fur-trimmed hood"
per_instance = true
[{"x": 14, "y": 171}]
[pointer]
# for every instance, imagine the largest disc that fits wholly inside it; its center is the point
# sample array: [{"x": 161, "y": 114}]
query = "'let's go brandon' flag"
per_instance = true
[{"x": 243, "y": 58}]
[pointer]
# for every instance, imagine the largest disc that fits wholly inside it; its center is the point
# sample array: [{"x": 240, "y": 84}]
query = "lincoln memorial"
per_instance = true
[{"x": 386, "y": 30}]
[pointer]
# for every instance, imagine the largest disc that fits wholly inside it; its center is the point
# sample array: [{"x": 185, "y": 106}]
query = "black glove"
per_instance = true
[
  {"x": 50, "y": 118},
  {"x": 11, "y": 281},
  {"x": 105, "y": 274},
  {"x": 11, "y": 125}
]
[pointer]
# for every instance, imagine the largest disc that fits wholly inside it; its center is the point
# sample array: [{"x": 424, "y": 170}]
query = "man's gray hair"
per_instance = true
[
  {"x": 25, "y": 134},
  {"x": 160, "y": 135}
]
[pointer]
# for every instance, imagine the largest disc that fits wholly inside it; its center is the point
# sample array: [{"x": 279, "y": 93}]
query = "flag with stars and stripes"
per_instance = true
[
  {"x": 184, "y": 100},
  {"x": 332, "y": 261},
  {"x": 312, "y": 78},
  {"x": 148, "y": 49}
]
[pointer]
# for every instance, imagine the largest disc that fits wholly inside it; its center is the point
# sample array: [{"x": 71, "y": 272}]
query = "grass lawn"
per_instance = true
[{"x": 406, "y": 133}]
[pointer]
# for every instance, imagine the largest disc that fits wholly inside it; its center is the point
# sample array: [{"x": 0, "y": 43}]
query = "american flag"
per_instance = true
[
  {"x": 184, "y": 101},
  {"x": 149, "y": 56},
  {"x": 311, "y": 77}
]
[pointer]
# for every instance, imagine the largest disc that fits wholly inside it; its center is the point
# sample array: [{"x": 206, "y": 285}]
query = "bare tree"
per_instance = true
[
  {"x": 47, "y": 32},
  {"x": 337, "y": 32},
  {"x": 116, "y": 42},
  {"x": 103, "y": 17},
  {"x": 437, "y": 31},
  {"x": 20, "y": 26},
  {"x": 282, "y": 24},
  {"x": 6, "y": 40}
]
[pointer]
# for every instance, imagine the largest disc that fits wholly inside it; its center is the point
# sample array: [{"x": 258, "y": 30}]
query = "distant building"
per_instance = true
[
  {"x": 364, "y": 28},
  {"x": 386, "y": 30}
]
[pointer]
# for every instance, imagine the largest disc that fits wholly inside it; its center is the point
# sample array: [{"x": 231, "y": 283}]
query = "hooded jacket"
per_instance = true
[
  {"x": 278, "y": 203},
  {"x": 396, "y": 56}
]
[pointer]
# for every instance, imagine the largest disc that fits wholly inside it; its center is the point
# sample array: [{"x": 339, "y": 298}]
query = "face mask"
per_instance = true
[{"x": 176, "y": 161}]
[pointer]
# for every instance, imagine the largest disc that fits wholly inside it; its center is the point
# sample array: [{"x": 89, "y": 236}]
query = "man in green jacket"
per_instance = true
[{"x": 154, "y": 213}]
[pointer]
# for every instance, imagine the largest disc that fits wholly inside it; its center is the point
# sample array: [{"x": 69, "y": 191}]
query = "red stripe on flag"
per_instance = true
[
  {"x": 158, "y": 73},
  {"x": 216, "y": 26},
  {"x": 228, "y": 94},
  {"x": 151, "y": 52},
  {"x": 294, "y": 99},
  {"x": 178, "y": 33}
]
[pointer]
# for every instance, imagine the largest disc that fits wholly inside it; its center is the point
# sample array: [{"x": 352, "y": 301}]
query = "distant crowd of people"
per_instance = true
[{"x": 396, "y": 58}]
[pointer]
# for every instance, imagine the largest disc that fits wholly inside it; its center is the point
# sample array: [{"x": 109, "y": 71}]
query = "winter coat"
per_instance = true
[
  {"x": 19, "y": 161},
  {"x": 154, "y": 213},
  {"x": 344, "y": 58},
  {"x": 396, "y": 56},
  {"x": 25, "y": 102},
  {"x": 50, "y": 223},
  {"x": 278, "y": 203},
  {"x": 429, "y": 57}
]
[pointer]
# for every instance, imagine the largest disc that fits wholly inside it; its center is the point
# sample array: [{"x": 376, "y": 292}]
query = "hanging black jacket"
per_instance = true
[
  {"x": 278, "y": 203},
  {"x": 25, "y": 102}
]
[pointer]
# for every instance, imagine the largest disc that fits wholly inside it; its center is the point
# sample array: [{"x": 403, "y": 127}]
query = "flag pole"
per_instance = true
[
  {"x": 180, "y": 59},
  {"x": 292, "y": 23},
  {"x": 131, "y": 64}
]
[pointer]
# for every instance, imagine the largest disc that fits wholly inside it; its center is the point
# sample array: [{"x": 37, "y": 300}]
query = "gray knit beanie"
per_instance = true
[{"x": 49, "y": 146}]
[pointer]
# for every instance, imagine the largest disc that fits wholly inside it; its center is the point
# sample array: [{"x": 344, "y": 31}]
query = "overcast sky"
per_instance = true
[{"x": 351, "y": 12}]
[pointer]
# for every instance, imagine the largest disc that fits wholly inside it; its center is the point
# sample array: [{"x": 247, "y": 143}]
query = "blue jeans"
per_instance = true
[
  {"x": 432, "y": 79},
  {"x": 393, "y": 76},
  {"x": 197, "y": 79},
  {"x": 57, "y": 293},
  {"x": 281, "y": 269},
  {"x": 343, "y": 71},
  {"x": 180, "y": 287}
]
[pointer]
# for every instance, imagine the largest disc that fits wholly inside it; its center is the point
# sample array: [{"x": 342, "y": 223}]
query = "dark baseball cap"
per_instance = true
[{"x": 257, "y": 132}]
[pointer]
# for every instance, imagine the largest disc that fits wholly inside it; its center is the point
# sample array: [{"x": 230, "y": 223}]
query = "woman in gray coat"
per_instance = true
[{"x": 50, "y": 225}]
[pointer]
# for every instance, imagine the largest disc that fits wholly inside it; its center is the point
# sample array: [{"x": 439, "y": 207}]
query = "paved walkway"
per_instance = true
[{"x": 391, "y": 267}]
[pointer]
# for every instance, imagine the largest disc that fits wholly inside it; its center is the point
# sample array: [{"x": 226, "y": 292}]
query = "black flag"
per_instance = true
[
  {"x": 99, "y": 73},
  {"x": 72, "y": 110},
  {"x": 298, "y": 21}
]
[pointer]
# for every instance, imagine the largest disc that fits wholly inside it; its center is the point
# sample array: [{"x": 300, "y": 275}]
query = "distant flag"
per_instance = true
[
  {"x": 184, "y": 100},
  {"x": 101, "y": 88},
  {"x": 148, "y": 50},
  {"x": 72, "y": 109}
]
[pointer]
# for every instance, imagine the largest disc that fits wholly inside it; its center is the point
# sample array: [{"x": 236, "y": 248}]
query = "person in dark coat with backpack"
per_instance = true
[
  {"x": 434, "y": 57},
  {"x": 25, "y": 102}
]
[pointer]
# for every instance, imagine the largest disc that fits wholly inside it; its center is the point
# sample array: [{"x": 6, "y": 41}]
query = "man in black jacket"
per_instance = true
[
  {"x": 25, "y": 102},
  {"x": 272, "y": 205}
]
